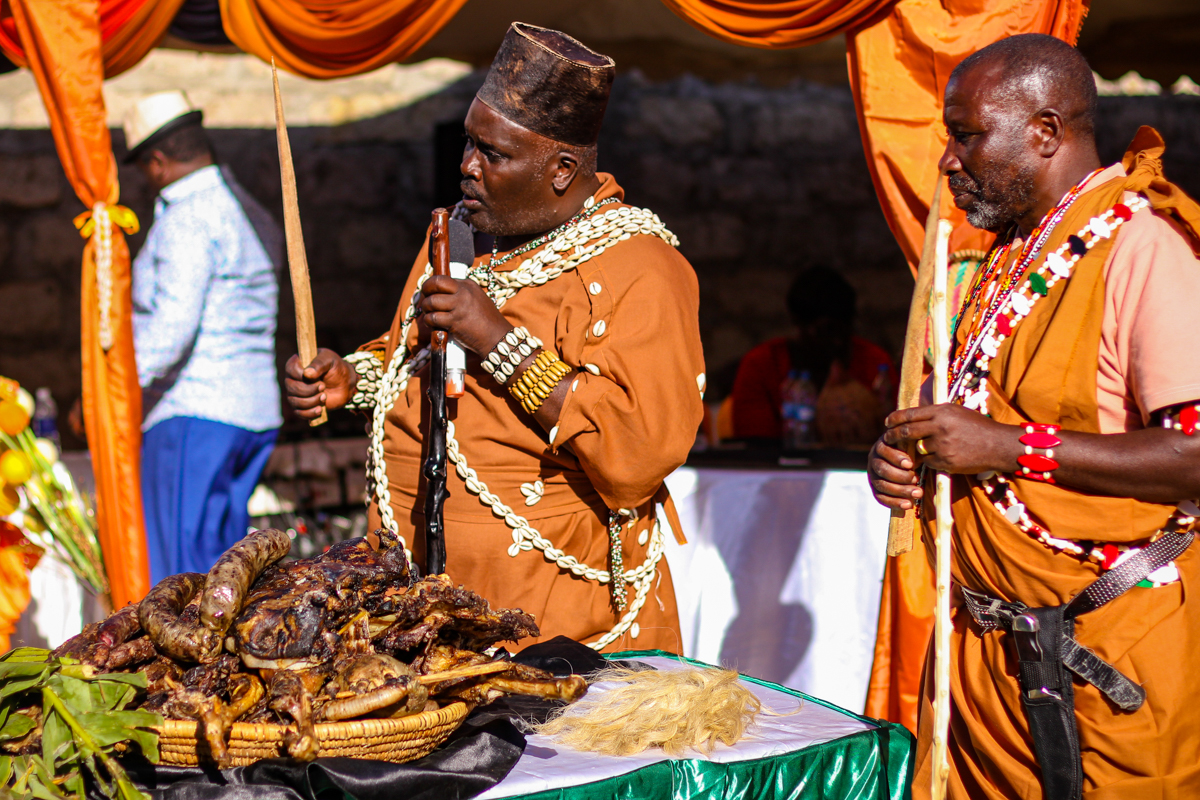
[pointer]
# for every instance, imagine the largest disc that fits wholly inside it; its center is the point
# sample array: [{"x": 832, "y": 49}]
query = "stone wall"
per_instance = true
[{"x": 758, "y": 183}]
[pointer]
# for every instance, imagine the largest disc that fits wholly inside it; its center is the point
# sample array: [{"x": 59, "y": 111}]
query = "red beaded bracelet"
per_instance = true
[
  {"x": 1185, "y": 421},
  {"x": 1036, "y": 465}
]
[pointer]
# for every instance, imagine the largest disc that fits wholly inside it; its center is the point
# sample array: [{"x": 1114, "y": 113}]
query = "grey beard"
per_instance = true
[{"x": 998, "y": 216}]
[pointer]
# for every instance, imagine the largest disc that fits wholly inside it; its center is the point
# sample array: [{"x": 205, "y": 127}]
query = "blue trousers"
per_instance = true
[{"x": 197, "y": 477}]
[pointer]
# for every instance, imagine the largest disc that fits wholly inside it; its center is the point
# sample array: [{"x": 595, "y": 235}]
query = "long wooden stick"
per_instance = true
[
  {"x": 306, "y": 326},
  {"x": 941, "y": 390},
  {"x": 900, "y": 528}
]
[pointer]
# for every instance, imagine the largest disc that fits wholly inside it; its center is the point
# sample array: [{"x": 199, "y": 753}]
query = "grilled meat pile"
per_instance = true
[{"x": 348, "y": 634}]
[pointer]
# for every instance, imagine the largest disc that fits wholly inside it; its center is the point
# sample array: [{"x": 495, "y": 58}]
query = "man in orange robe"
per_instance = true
[
  {"x": 1074, "y": 389},
  {"x": 543, "y": 489}
]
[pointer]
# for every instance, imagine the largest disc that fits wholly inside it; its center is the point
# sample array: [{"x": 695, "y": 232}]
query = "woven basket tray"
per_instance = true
[{"x": 395, "y": 740}]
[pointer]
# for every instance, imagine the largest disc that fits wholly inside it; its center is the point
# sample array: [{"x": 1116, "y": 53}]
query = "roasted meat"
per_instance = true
[
  {"x": 293, "y": 607},
  {"x": 348, "y": 634}
]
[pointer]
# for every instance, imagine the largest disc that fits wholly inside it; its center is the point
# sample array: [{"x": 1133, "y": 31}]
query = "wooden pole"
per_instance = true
[
  {"x": 900, "y": 528},
  {"x": 941, "y": 634},
  {"x": 306, "y": 326}
]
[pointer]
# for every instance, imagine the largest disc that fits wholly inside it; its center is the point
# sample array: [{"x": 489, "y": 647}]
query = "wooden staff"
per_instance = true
[
  {"x": 306, "y": 326},
  {"x": 900, "y": 528},
  {"x": 435, "y": 455},
  {"x": 941, "y": 635}
]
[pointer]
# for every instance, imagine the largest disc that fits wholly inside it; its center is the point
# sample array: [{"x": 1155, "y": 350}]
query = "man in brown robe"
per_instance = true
[
  {"x": 537, "y": 499},
  {"x": 1082, "y": 325}
]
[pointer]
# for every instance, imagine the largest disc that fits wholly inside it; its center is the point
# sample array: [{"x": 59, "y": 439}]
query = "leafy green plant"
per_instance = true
[{"x": 83, "y": 722}]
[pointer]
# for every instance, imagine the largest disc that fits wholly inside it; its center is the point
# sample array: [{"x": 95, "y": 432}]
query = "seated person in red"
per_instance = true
[{"x": 854, "y": 380}]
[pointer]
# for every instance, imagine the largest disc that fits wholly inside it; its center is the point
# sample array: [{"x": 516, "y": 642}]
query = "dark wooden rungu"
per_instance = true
[{"x": 434, "y": 469}]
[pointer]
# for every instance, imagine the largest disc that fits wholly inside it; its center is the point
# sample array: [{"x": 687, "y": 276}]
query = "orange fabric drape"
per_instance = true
[
  {"x": 129, "y": 29},
  {"x": 334, "y": 38},
  {"x": 899, "y": 67},
  {"x": 62, "y": 44},
  {"x": 777, "y": 23}
]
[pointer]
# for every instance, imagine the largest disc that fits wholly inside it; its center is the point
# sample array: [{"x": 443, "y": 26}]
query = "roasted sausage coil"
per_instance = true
[
  {"x": 173, "y": 632},
  {"x": 230, "y": 578}
]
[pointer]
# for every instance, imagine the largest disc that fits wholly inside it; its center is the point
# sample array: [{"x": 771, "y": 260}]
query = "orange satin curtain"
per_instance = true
[
  {"x": 62, "y": 45},
  {"x": 777, "y": 24},
  {"x": 129, "y": 29},
  {"x": 334, "y": 38}
]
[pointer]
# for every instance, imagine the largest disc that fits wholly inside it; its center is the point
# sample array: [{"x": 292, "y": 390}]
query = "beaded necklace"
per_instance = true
[
  {"x": 972, "y": 392},
  {"x": 484, "y": 275},
  {"x": 987, "y": 276}
]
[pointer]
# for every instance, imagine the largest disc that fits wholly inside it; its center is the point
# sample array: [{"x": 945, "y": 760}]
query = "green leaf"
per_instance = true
[
  {"x": 16, "y": 726},
  {"x": 135, "y": 679},
  {"x": 6, "y": 769},
  {"x": 41, "y": 780},
  {"x": 55, "y": 735},
  {"x": 74, "y": 784},
  {"x": 75, "y": 694},
  {"x": 111, "y": 695},
  {"x": 110, "y": 727},
  {"x": 26, "y": 655}
]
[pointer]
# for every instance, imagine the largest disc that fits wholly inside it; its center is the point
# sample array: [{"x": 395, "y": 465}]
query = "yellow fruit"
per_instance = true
[
  {"x": 13, "y": 418},
  {"x": 15, "y": 467}
]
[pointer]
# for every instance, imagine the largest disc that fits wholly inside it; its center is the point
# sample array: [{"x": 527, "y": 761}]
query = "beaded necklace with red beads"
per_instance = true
[
  {"x": 986, "y": 277},
  {"x": 1011, "y": 304}
]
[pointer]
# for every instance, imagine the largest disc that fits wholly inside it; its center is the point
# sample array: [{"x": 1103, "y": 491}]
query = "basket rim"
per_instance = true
[{"x": 260, "y": 731}]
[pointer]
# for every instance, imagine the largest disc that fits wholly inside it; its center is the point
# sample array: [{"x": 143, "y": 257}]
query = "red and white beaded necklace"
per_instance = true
[{"x": 1007, "y": 307}]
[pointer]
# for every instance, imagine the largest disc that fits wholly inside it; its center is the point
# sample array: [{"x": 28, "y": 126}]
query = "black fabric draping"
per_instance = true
[
  {"x": 199, "y": 21},
  {"x": 476, "y": 757}
]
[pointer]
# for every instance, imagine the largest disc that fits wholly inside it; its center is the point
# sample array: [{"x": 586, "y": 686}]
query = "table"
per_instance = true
[
  {"x": 802, "y": 748},
  {"x": 782, "y": 574}
]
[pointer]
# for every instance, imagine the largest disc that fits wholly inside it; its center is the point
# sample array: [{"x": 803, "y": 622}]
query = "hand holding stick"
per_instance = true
[
  {"x": 941, "y": 636},
  {"x": 900, "y": 529},
  {"x": 306, "y": 326}
]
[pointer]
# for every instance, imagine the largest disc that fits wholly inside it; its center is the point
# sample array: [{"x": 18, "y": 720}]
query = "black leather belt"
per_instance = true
[{"x": 1048, "y": 655}]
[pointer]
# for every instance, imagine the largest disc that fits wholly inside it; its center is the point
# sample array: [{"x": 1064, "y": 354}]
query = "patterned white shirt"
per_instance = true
[{"x": 205, "y": 299}]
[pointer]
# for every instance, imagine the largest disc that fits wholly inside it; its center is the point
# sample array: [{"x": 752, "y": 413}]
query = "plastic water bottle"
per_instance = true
[
  {"x": 799, "y": 411},
  {"x": 45, "y": 417}
]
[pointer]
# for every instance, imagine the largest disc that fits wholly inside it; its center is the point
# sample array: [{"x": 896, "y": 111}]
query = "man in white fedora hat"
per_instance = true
[{"x": 205, "y": 298}]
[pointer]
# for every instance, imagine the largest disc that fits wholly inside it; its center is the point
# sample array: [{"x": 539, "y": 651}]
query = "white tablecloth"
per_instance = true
[{"x": 781, "y": 576}]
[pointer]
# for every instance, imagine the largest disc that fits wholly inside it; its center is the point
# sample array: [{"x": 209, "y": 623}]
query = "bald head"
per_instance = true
[
  {"x": 1020, "y": 115},
  {"x": 1033, "y": 71}
]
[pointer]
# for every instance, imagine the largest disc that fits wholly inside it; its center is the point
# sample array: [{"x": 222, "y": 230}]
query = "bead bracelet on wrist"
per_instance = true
[
  {"x": 538, "y": 381},
  {"x": 1037, "y": 461},
  {"x": 515, "y": 346}
]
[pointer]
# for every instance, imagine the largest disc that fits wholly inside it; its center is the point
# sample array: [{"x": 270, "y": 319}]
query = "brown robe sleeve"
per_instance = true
[{"x": 632, "y": 324}]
